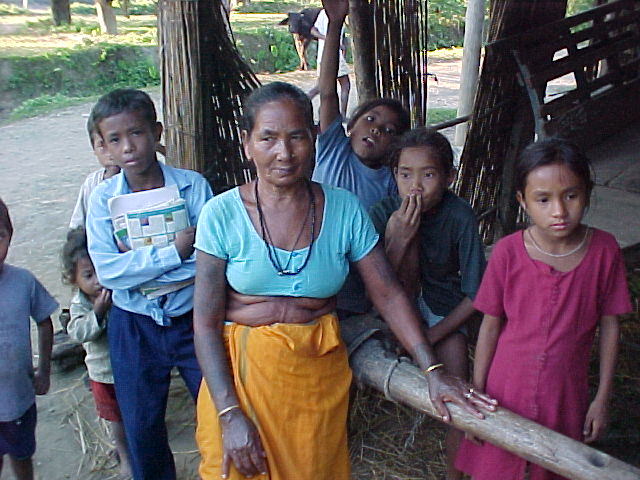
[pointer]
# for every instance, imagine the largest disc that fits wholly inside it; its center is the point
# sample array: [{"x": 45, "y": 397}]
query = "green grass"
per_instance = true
[
  {"x": 439, "y": 115},
  {"x": 6, "y": 9},
  {"x": 45, "y": 104}
]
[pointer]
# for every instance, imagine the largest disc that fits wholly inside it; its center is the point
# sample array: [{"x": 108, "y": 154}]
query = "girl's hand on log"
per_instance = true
[
  {"x": 446, "y": 388},
  {"x": 241, "y": 445},
  {"x": 596, "y": 421}
]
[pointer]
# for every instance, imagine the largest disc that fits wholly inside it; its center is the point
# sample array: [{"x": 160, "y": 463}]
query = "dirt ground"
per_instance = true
[{"x": 43, "y": 161}]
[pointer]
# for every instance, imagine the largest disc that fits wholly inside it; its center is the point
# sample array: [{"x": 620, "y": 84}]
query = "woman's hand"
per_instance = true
[
  {"x": 241, "y": 445},
  {"x": 446, "y": 388},
  {"x": 596, "y": 421}
]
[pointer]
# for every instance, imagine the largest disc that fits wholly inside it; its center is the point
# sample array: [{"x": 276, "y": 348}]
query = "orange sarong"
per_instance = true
[{"x": 293, "y": 381}]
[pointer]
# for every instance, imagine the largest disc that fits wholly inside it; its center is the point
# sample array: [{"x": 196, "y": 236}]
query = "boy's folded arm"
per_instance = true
[{"x": 123, "y": 270}]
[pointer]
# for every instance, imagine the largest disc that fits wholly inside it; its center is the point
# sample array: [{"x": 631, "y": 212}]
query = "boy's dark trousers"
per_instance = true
[{"x": 142, "y": 356}]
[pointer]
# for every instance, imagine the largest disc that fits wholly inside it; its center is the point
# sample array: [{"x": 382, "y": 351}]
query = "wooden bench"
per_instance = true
[{"x": 600, "y": 51}]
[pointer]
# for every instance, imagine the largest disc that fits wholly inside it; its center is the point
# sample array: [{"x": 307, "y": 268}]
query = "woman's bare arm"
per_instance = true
[
  {"x": 241, "y": 442},
  {"x": 393, "y": 304}
]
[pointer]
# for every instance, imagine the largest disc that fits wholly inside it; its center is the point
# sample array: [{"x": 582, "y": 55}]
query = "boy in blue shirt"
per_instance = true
[
  {"x": 21, "y": 297},
  {"x": 147, "y": 337}
]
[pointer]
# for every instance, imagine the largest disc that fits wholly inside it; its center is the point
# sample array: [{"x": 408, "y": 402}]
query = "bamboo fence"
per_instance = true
[{"x": 204, "y": 80}]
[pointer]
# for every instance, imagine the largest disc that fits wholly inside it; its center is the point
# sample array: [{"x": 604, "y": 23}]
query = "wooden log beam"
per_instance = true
[
  {"x": 364, "y": 62},
  {"x": 374, "y": 366}
]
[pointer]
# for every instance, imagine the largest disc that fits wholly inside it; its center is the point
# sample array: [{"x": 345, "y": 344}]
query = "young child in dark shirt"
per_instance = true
[{"x": 431, "y": 238}]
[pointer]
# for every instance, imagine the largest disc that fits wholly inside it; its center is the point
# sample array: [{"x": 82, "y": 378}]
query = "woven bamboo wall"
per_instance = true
[
  {"x": 204, "y": 80},
  {"x": 491, "y": 138},
  {"x": 400, "y": 30}
]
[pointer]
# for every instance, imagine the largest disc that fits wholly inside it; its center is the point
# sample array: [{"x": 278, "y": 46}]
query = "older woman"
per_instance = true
[{"x": 276, "y": 378}]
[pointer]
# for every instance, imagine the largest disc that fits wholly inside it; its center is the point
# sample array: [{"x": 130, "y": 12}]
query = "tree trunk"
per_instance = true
[
  {"x": 61, "y": 12},
  {"x": 364, "y": 63},
  {"x": 403, "y": 382},
  {"x": 106, "y": 17},
  {"x": 124, "y": 6},
  {"x": 25, "y": 4}
]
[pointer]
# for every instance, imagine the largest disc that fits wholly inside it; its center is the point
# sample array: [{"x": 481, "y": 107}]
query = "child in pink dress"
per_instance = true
[{"x": 544, "y": 293}]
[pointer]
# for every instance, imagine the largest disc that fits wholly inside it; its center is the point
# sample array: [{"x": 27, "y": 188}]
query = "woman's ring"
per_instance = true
[
  {"x": 468, "y": 394},
  {"x": 472, "y": 391}
]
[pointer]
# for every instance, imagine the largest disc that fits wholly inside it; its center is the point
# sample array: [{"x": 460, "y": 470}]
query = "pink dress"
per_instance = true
[{"x": 539, "y": 369}]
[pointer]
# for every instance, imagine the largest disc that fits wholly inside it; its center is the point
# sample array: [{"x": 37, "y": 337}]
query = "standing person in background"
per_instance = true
[
  {"x": 108, "y": 170},
  {"x": 22, "y": 297},
  {"x": 319, "y": 31}
]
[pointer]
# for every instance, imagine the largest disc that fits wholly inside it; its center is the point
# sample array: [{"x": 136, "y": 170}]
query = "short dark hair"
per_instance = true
[
  {"x": 73, "y": 250},
  {"x": 120, "y": 101},
  {"x": 423, "y": 137},
  {"x": 272, "y": 92},
  {"x": 5, "y": 218},
  {"x": 551, "y": 151},
  {"x": 404, "y": 120}
]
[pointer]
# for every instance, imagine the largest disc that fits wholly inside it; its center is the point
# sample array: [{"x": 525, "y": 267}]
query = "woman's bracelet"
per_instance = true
[
  {"x": 227, "y": 410},
  {"x": 433, "y": 367}
]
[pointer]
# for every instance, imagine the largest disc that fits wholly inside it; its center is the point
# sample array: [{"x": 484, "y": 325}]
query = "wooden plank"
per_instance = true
[
  {"x": 376, "y": 367},
  {"x": 547, "y": 32},
  {"x": 586, "y": 57},
  {"x": 569, "y": 99},
  {"x": 590, "y": 123},
  {"x": 560, "y": 38}
]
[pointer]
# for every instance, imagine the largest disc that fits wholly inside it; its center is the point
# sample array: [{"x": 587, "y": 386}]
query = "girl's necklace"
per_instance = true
[
  {"x": 266, "y": 235},
  {"x": 558, "y": 255}
]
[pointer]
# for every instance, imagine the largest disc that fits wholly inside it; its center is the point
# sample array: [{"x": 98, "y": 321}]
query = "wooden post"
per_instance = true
[
  {"x": 376, "y": 367},
  {"x": 474, "y": 20},
  {"x": 364, "y": 62},
  {"x": 106, "y": 17}
]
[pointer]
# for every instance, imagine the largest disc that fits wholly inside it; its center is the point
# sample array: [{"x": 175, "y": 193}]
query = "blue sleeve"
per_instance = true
[
  {"x": 211, "y": 232},
  {"x": 123, "y": 271},
  {"x": 333, "y": 149},
  {"x": 42, "y": 303},
  {"x": 363, "y": 234}
]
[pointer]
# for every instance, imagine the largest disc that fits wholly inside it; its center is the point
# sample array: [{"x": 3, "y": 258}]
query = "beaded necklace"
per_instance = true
[
  {"x": 558, "y": 255},
  {"x": 266, "y": 235}
]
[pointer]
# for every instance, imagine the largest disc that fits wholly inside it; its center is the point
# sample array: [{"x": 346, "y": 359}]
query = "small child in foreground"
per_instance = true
[
  {"x": 89, "y": 315},
  {"x": 431, "y": 239},
  {"x": 21, "y": 297},
  {"x": 108, "y": 170},
  {"x": 545, "y": 292}
]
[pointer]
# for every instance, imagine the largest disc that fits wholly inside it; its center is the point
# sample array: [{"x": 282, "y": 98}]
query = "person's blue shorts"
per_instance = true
[
  {"x": 430, "y": 318},
  {"x": 18, "y": 437}
]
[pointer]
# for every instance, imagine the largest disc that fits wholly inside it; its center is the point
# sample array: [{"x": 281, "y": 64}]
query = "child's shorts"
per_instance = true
[
  {"x": 104, "y": 395},
  {"x": 18, "y": 437}
]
